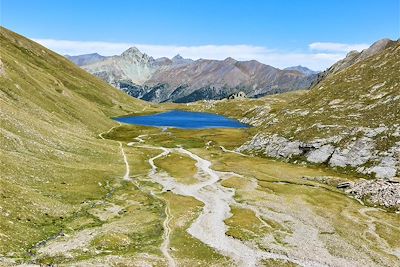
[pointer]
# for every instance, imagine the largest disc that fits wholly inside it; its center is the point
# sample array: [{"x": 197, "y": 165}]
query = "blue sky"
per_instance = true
[{"x": 280, "y": 33}]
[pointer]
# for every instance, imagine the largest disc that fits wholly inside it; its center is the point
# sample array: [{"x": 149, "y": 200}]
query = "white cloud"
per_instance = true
[
  {"x": 64, "y": 47},
  {"x": 321, "y": 56},
  {"x": 337, "y": 47}
]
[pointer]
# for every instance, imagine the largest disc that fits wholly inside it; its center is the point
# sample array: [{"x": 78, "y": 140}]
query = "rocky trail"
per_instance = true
[
  {"x": 127, "y": 167},
  {"x": 166, "y": 237}
]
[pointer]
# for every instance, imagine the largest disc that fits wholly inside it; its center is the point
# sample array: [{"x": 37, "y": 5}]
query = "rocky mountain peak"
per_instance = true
[
  {"x": 179, "y": 60},
  {"x": 302, "y": 69},
  {"x": 376, "y": 47},
  {"x": 135, "y": 53},
  {"x": 177, "y": 57},
  {"x": 131, "y": 50},
  {"x": 354, "y": 57},
  {"x": 230, "y": 60}
]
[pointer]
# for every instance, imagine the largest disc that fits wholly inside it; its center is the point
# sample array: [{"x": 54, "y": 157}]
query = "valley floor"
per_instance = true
[{"x": 186, "y": 199}]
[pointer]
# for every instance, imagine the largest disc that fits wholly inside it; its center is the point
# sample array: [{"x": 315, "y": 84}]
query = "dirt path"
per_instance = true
[
  {"x": 127, "y": 167},
  {"x": 165, "y": 247},
  {"x": 232, "y": 151},
  {"x": 109, "y": 130},
  {"x": 138, "y": 140}
]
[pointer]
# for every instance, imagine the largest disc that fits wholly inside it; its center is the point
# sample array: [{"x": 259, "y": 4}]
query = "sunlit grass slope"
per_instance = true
[{"x": 51, "y": 157}]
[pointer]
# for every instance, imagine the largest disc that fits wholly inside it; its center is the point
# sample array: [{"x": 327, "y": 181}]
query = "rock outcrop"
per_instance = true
[
  {"x": 321, "y": 154},
  {"x": 356, "y": 154},
  {"x": 353, "y": 154},
  {"x": 238, "y": 95}
]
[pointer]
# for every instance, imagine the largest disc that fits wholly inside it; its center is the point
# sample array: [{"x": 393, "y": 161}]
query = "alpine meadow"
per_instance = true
[{"x": 200, "y": 133}]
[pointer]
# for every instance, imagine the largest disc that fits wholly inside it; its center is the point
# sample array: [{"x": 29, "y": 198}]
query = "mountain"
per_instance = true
[
  {"x": 86, "y": 59},
  {"x": 179, "y": 60},
  {"x": 301, "y": 69},
  {"x": 216, "y": 79},
  {"x": 354, "y": 57},
  {"x": 131, "y": 65},
  {"x": 184, "y": 80},
  {"x": 52, "y": 159},
  {"x": 349, "y": 121}
]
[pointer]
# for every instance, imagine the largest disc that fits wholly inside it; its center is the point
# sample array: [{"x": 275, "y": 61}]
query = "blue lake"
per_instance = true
[{"x": 184, "y": 120}]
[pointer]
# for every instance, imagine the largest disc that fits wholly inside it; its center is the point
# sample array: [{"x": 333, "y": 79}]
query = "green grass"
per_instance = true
[
  {"x": 180, "y": 167},
  {"x": 136, "y": 227},
  {"x": 229, "y": 138},
  {"x": 244, "y": 225},
  {"x": 277, "y": 263}
]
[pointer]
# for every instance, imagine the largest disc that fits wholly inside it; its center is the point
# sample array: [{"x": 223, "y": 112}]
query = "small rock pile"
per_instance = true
[{"x": 378, "y": 192}]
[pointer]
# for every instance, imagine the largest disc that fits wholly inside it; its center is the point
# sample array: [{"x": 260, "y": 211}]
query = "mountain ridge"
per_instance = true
[
  {"x": 354, "y": 57},
  {"x": 302, "y": 69},
  {"x": 185, "y": 80},
  {"x": 86, "y": 59}
]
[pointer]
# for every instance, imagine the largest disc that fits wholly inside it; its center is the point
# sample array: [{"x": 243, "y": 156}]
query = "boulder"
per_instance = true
[
  {"x": 321, "y": 154},
  {"x": 355, "y": 154},
  {"x": 344, "y": 185},
  {"x": 385, "y": 169}
]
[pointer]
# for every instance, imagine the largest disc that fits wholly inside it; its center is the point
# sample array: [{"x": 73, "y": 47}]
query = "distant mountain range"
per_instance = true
[
  {"x": 86, "y": 59},
  {"x": 303, "y": 70},
  {"x": 185, "y": 80}
]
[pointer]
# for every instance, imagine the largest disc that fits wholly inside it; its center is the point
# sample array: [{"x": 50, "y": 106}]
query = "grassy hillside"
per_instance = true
[
  {"x": 52, "y": 160},
  {"x": 354, "y": 112}
]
